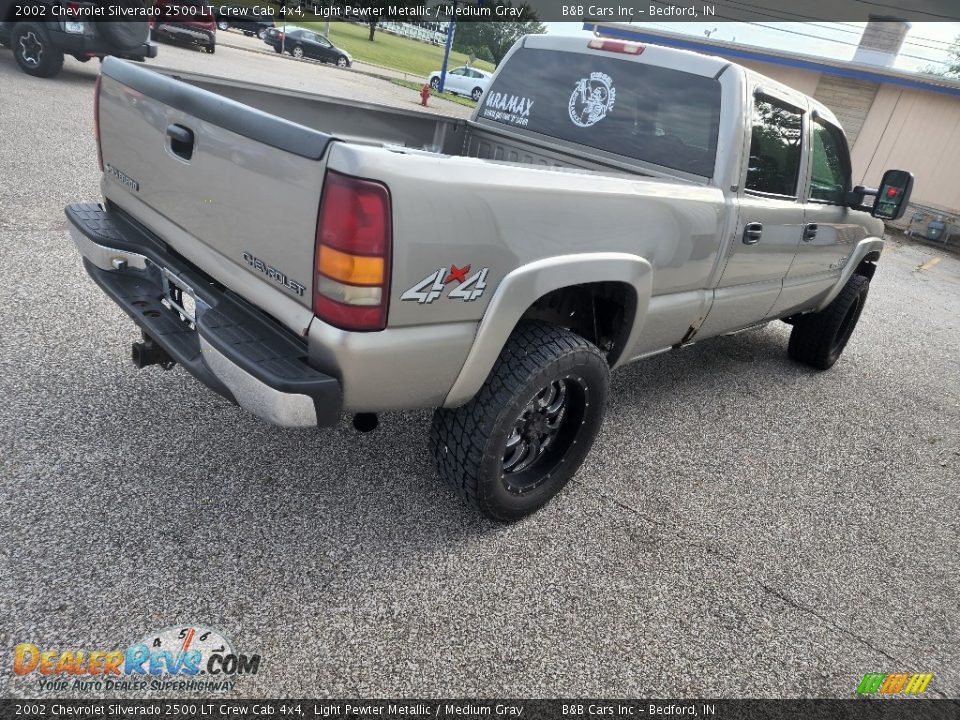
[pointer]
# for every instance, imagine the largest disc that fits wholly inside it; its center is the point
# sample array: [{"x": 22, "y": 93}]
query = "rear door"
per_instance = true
[{"x": 770, "y": 219}]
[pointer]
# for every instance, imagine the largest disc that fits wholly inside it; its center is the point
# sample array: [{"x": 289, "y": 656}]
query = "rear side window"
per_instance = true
[
  {"x": 774, "y": 147},
  {"x": 654, "y": 114}
]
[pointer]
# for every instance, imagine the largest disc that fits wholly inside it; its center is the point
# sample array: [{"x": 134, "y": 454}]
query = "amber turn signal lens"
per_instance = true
[{"x": 349, "y": 268}]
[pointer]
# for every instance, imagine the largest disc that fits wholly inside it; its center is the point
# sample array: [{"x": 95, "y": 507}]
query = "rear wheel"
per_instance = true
[
  {"x": 818, "y": 339},
  {"x": 516, "y": 444},
  {"x": 33, "y": 50},
  {"x": 223, "y": 26},
  {"x": 475, "y": 95},
  {"x": 262, "y": 33},
  {"x": 297, "y": 52}
]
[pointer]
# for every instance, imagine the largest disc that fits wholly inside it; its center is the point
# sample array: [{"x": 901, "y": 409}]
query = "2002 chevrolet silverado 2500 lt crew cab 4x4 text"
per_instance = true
[{"x": 305, "y": 256}]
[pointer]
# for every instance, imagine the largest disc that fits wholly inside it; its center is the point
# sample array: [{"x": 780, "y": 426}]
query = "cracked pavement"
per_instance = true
[{"x": 744, "y": 527}]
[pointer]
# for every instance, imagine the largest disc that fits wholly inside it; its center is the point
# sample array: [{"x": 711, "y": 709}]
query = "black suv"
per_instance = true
[
  {"x": 244, "y": 19},
  {"x": 40, "y": 43}
]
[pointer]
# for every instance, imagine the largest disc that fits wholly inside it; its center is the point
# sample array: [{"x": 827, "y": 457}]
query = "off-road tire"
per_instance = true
[
  {"x": 818, "y": 339},
  {"x": 469, "y": 443},
  {"x": 34, "y": 51}
]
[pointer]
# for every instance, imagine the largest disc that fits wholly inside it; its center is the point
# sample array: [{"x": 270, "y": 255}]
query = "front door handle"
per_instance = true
[
  {"x": 752, "y": 233},
  {"x": 181, "y": 141},
  {"x": 809, "y": 232}
]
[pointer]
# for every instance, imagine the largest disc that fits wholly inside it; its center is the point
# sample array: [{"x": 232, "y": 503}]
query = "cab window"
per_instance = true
[
  {"x": 774, "y": 162},
  {"x": 831, "y": 164}
]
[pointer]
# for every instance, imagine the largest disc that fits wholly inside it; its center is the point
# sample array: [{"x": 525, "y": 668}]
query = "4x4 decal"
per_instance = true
[{"x": 433, "y": 286}]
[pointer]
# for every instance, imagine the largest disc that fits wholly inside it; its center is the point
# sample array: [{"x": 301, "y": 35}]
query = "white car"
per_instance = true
[{"x": 463, "y": 81}]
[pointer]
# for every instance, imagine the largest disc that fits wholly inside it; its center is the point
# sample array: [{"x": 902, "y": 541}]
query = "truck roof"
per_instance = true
[{"x": 685, "y": 60}]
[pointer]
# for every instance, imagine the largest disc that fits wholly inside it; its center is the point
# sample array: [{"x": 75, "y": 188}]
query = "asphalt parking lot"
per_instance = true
[{"x": 744, "y": 527}]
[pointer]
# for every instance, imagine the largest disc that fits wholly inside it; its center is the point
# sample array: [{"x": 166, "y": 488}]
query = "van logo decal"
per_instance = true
[
  {"x": 433, "y": 285},
  {"x": 592, "y": 98}
]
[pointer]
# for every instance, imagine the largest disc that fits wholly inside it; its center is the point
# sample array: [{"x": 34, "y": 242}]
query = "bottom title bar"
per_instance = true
[{"x": 865, "y": 709}]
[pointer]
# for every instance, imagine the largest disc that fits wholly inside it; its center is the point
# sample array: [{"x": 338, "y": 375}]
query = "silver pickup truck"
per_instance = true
[{"x": 304, "y": 256}]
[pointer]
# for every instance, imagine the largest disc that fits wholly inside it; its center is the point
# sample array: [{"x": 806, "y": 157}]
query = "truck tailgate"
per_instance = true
[{"x": 235, "y": 180}]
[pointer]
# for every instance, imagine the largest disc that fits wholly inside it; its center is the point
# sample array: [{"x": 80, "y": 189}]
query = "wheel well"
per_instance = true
[
  {"x": 600, "y": 312},
  {"x": 868, "y": 266}
]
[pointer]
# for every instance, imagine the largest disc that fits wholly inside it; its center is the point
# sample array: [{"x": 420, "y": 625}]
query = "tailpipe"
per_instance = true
[
  {"x": 148, "y": 353},
  {"x": 365, "y": 422}
]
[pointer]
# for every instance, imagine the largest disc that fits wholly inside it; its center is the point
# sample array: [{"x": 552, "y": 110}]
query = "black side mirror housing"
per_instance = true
[
  {"x": 890, "y": 199},
  {"x": 894, "y": 196}
]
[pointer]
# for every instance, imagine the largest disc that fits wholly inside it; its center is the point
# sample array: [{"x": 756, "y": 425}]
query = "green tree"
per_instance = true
[
  {"x": 494, "y": 39},
  {"x": 951, "y": 68}
]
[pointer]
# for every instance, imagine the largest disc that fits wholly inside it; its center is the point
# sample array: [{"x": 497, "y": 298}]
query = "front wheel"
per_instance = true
[
  {"x": 435, "y": 83},
  {"x": 342, "y": 62},
  {"x": 818, "y": 339},
  {"x": 516, "y": 444},
  {"x": 223, "y": 26},
  {"x": 475, "y": 95},
  {"x": 33, "y": 50}
]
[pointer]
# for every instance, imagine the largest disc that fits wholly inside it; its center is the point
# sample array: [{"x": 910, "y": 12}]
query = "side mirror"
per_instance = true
[{"x": 894, "y": 195}]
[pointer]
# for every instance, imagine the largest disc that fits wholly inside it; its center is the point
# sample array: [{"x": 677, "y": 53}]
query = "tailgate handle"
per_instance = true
[{"x": 181, "y": 141}]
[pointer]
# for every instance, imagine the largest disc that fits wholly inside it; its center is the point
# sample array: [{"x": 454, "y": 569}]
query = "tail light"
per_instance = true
[
  {"x": 354, "y": 238},
  {"x": 96, "y": 119}
]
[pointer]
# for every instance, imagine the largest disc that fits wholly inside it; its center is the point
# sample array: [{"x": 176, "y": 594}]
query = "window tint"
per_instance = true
[
  {"x": 774, "y": 148},
  {"x": 650, "y": 113},
  {"x": 828, "y": 176}
]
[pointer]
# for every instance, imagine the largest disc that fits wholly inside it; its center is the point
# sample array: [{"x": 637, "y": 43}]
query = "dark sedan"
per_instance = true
[{"x": 303, "y": 43}]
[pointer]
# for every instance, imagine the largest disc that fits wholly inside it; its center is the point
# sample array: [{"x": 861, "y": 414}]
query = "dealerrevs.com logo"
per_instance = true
[{"x": 186, "y": 657}]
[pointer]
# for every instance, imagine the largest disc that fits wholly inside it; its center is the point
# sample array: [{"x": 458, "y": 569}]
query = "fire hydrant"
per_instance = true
[{"x": 424, "y": 94}]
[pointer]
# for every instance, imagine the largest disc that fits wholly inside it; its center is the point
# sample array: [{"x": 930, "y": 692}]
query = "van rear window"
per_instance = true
[{"x": 649, "y": 113}]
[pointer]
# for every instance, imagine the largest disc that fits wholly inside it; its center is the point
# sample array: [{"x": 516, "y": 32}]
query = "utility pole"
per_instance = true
[{"x": 451, "y": 28}]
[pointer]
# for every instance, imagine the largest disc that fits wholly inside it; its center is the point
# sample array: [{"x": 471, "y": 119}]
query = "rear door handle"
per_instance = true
[
  {"x": 809, "y": 232},
  {"x": 752, "y": 233},
  {"x": 181, "y": 141}
]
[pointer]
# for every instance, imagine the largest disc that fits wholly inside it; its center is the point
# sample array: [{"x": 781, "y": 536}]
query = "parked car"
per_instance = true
[
  {"x": 185, "y": 21},
  {"x": 39, "y": 47},
  {"x": 463, "y": 81},
  {"x": 244, "y": 19},
  {"x": 303, "y": 43},
  {"x": 697, "y": 198}
]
